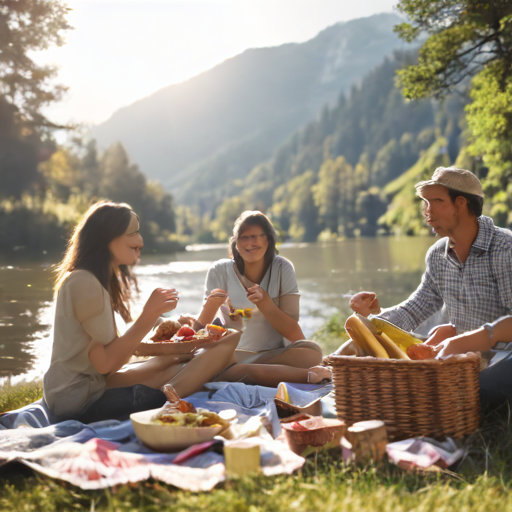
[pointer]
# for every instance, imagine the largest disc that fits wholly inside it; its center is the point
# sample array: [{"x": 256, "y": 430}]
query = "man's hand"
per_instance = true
[
  {"x": 365, "y": 303},
  {"x": 472, "y": 341},
  {"x": 440, "y": 333},
  {"x": 451, "y": 346}
]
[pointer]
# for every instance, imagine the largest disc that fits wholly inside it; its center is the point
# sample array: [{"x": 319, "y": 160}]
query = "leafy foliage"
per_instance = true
[
  {"x": 469, "y": 39},
  {"x": 27, "y": 26},
  {"x": 489, "y": 119},
  {"x": 75, "y": 176},
  {"x": 464, "y": 37}
]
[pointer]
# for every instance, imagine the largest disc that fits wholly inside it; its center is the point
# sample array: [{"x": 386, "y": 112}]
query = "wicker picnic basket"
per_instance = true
[{"x": 436, "y": 398}]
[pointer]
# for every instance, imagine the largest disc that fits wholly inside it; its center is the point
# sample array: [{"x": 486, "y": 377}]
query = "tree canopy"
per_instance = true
[
  {"x": 464, "y": 38},
  {"x": 27, "y": 26}
]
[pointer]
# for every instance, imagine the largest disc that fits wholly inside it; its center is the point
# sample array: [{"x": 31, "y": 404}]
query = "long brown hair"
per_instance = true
[
  {"x": 253, "y": 218},
  {"x": 88, "y": 250}
]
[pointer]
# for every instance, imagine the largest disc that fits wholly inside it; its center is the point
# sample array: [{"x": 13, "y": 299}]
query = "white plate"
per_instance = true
[{"x": 164, "y": 438}]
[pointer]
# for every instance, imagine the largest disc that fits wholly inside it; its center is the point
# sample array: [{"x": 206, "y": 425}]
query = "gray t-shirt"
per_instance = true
[
  {"x": 279, "y": 282},
  {"x": 83, "y": 315}
]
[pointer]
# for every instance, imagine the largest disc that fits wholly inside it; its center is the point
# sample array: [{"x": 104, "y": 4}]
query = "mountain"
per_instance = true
[
  {"x": 338, "y": 173},
  {"x": 220, "y": 123}
]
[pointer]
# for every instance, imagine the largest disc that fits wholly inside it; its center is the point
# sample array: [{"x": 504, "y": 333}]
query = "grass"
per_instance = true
[
  {"x": 332, "y": 334},
  {"x": 483, "y": 482}
]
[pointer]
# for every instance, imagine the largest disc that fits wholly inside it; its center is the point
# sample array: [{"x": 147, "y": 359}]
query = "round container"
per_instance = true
[
  {"x": 326, "y": 431},
  {"x": 165, "y": 438}
]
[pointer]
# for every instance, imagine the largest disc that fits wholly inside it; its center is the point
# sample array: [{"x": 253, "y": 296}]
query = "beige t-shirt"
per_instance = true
[{"x": 83, "y": 314}]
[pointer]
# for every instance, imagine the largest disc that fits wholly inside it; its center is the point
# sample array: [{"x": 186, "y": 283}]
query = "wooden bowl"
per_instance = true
[
  {"x": 329, "y": 432},
  {"x": 166, "y": 438}
]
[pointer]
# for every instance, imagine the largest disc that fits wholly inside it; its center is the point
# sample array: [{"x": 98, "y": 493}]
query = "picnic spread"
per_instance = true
[
  {"x": 384, "y": 399},
  {"x": 108, "y": 453}
]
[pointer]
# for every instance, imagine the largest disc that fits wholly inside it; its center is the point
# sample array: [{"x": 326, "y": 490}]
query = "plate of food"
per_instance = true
[
  {"x": 170, "y": 338},
  {"x": 174, "y": 428}
]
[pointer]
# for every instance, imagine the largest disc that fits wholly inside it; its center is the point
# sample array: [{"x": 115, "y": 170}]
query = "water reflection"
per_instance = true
[{"x": 327, "y": 274}]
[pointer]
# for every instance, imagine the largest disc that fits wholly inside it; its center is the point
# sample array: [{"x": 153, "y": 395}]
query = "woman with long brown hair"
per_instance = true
[
  {"x": 84, "y": 381},
  {"x": 258, "y": 288}
]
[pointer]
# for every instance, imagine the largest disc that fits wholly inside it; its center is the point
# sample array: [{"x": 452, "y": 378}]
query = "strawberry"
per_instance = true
[{"x": 185, "y": 330}]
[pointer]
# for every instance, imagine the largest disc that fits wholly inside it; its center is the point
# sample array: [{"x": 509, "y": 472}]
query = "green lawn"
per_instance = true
[{"x": 483, "y": 482}]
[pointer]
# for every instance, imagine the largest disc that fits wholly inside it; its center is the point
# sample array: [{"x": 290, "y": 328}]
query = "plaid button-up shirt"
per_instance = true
[{"x": 474, "y": 293}]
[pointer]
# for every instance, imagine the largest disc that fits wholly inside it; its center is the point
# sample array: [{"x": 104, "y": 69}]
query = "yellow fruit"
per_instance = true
[
  {"x": 401, "y": 338},
  {"x": 394, "y": 352},
  {"x": 363, "y": 337}
]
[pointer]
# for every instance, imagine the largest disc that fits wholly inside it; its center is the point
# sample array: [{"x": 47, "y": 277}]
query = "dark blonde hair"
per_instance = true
[
  {"x": 253, "y": 218},
  {"x": 88, "y": 250}
]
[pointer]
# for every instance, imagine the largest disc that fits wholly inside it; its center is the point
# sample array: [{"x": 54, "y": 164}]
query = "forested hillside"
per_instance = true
[
  {"x": 326, "y": 181},
  {"x": 228, "y": 119},
  {"x": 275, "y": 129}
]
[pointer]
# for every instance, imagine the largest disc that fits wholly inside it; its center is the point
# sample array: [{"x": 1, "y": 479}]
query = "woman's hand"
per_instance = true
[
  {"x": 212, "y": 304},
  {"x": 186, "y": 320},
  {"x": 365, "y": 303},
  {"x": 216, "y": 298},
  {"x": 440, "y": 333},
  {"x": 162, "y": 300},
  {"x": 256, "y": 294}
]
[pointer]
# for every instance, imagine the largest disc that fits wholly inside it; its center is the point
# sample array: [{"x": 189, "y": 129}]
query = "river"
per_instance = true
[{"x": 327, "y": 273}]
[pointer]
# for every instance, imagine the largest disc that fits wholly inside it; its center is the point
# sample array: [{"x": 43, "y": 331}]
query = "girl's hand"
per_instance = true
[
  {"x": 365, "y": 303},
  {"x": 186, "y": 320},
  {"x": 216, "y": 298},
  {"x": 256, "y": 294},
  {"x": 441, "y": 333},
  {"x": 162, "y": 300}
]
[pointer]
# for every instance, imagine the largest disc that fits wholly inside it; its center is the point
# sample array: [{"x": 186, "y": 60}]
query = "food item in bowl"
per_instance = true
[
  {"x": 172, "y": 331},
  {"x": 203, "y": 418},
  {"x": 174, "y": 403},
  {"x": 420, "y": 352},
  {"x": 210, "y": 333},
  {"x": 215, "y": 332},
  {"x": 185, "y": 332},
  {"x": 166, "y": 330},
  {"x": 309, "y": 435},
  {"x": 169, "y": 436}
]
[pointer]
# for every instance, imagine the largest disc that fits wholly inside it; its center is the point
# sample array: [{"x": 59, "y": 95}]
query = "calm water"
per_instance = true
[{"x": 327, "y": 274}]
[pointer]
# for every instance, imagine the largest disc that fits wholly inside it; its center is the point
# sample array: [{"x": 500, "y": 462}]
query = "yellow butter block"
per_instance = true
[{"x": 241, "y": 458}]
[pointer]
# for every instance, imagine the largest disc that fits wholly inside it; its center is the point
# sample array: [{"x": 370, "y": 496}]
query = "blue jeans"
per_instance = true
[
  {"x": 118, "y": 404},
  {"x": 496, "y": 385}
]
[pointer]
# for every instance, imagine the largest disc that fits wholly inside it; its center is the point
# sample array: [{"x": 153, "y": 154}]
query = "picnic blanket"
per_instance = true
[{"x": 107, "y": 453}]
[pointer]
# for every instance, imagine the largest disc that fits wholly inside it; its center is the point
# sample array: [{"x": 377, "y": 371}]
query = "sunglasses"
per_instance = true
[{"x": 255, "y": 238}]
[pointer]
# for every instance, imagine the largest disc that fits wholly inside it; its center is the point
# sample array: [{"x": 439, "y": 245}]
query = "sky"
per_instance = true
[{"x": 123, "y": 50}]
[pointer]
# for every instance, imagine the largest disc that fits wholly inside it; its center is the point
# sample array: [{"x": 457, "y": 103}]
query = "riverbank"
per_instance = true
[{"x": 482, "y": 481}]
